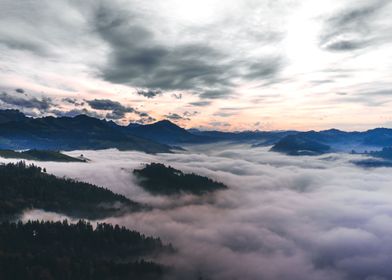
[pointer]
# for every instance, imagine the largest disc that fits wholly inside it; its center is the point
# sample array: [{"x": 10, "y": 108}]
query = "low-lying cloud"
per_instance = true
[{"x": 283, "y": 218}]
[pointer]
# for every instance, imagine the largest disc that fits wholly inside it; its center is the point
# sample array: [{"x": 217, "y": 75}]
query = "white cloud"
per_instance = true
[{"x": 310, "y": 218}]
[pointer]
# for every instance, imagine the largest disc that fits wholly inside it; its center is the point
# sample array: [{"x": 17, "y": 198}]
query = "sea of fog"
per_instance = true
[{"x": 283, "y": 218}]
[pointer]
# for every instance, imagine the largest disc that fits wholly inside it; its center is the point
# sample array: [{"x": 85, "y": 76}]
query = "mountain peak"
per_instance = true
[
  {"x": 165, "y": 122},
  {"x": 82, "y": 117},
  {"x": 9, "y": 115},
  {"x": 163, "y": 131}
]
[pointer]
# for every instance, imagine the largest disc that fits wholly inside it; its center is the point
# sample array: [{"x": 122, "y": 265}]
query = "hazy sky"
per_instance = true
[{"x": 233, "y": 64}]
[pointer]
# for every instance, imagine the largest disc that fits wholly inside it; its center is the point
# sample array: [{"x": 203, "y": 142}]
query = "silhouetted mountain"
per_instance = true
[
  {"x": 256, "y": 138},
  {"x": 300, "y": 145},
  {"x": 65, "y": 133},
  {"x": 165, "y": 132},
  {"x": 156, "y": 178},
  {"x": 378, "y": 137},
  {"x": 133, "y": 125},
  {"x": 40, "y": 155},
  {"x": 169, "y": 133},
  {"x": 11, "y": 115},
  {"x": 83, "y": 132},
  {"x": 339, "y": 140}
]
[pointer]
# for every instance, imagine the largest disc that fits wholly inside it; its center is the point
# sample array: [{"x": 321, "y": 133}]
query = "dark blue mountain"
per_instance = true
[
  {"x": 11, "y": 115},
  {"x": 169, "y": 133},
  {"x": 296, "y": 145},
  {"x": 378, "y": 137},
  {"x": 338, "y": 140},
  {"x": 65, "y": 133},
  {"x": 165, "y": 132},
  {"x": 133, "y": 125},
  {"x": 82, "y": 132},
  {"x": 258, "y": 138}
]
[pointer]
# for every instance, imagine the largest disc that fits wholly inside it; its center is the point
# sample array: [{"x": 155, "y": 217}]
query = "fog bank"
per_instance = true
[{"x": 308, "y": 218}]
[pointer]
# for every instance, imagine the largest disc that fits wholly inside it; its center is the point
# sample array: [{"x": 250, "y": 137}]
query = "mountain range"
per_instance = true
[
  {"x": 66, "y": 133},
  {"x": 334, "y": 140},
  {"x": 18, "y": 132}
]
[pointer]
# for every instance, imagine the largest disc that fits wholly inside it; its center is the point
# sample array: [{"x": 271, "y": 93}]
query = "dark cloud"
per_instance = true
[
  {"x": 145, "y": 120},
  {"x": 131, "y": 48},
  {"x": 200, "y": 103},
  {"x": 353, "y": 28},
  {"x": 143, "y": 114},
  {"x": 76, "y": 112},
  {"x": 149, "y": 93},
  {"x": 177, "y": 96},
  {"x": 190, "y": 114},
  {"x": 137, "y": 59},
  {"x": 19, "y": 90},
  {"x": 176, "y": 117},
  {"x": 73, "y": 101},
  {"x": 42, "y": 104},
  {"x": 107, "y": 104},
  {"x": 118, "y": 111},
  {"x": 185, "y": 116},
  {"x": 215, "y": 94},
  {"x": 346, "y": 45},
  {"x": 268, "y": 67}
]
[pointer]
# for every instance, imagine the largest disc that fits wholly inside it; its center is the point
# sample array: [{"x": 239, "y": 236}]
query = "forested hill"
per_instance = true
[
  {"x": 62, "y": 251},
  {"x": 40, "y": 155},
  {"x": 157, "y": 178},
  {"x": 30, "y": 187}
]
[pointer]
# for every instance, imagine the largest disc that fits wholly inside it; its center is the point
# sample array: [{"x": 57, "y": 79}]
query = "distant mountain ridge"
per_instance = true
[
  {"x": 165, "y": 132},
  {"x": 296, "y": 145},
  {"x": 66, "y": 133},
  {"x": 334, "y": 140},
  {"x": 11, "y": 115},
  {"x": 83, "y": 132},
  {"x": 40, "y": 155}
]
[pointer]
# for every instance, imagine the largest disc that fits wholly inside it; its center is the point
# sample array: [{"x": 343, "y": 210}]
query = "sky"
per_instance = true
[
  {"x": 282, "y": 217},
  {"x": 227, "y": 65}
]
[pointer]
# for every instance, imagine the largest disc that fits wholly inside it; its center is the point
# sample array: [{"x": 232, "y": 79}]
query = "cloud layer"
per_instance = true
[{"x": 311, "y": 218}]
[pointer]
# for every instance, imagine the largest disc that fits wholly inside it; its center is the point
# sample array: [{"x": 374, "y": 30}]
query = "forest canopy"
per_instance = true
[
  {"x": 157, "y": 178},
  {"x": 59, "y": 250},
  {"x": 25, "y": 186}
]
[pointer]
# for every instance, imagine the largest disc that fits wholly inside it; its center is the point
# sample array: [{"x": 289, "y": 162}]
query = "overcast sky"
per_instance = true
[{"x": 233, "y": 64}]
